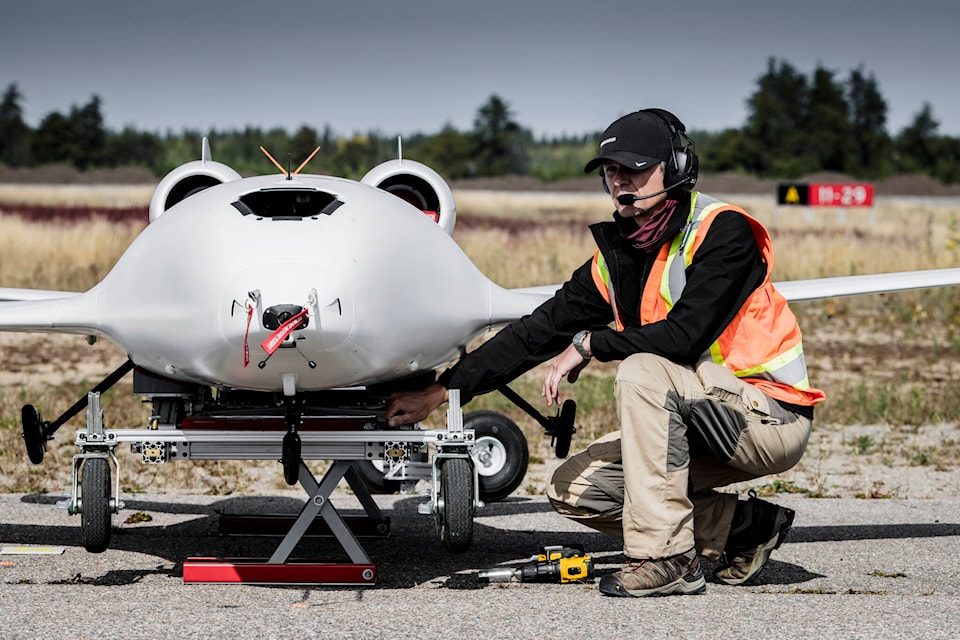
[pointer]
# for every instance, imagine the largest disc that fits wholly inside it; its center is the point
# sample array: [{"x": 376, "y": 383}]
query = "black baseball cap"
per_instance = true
[{"x": 638, "y": 140}]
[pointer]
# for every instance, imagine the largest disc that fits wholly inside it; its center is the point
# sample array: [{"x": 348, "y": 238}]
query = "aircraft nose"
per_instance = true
[{"x": 276, "y": 315}]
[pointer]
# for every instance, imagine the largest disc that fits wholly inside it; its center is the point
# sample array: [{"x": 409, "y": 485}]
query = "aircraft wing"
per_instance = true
[
  {"x": 820, "y": 288},
  {"x": 817, "y": 288},
  {"x": 544, "y": 292},
  {"x": 19, "y": 295},
  {"x": 38, "y": 310}
]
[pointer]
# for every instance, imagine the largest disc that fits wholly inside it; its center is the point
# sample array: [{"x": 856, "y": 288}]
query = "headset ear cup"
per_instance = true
[
  {"x": 681, "y": 160},
  {"x": 689, "y": 165},
  {"x": 693, "y": 170},
  {"x": 603, "y": 182},
  {"x": 674, "y": 169}
]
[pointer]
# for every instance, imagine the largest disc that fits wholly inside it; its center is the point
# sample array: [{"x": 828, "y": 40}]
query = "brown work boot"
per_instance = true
[
  {"x": 759, "y": 527},
  {"x": 680, "y": 574}
]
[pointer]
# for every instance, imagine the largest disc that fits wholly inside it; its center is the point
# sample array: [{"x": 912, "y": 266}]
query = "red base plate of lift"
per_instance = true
[{"x": 249, "y": 571}]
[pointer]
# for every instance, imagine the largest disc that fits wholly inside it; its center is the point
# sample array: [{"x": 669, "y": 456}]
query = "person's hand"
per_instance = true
[
  {"x": 569, "y": 363},
  {"x": 407, "y": 407}
]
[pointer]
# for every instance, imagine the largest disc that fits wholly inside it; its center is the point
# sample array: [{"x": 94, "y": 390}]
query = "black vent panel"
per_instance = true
[{"x": 287, "y": 204}]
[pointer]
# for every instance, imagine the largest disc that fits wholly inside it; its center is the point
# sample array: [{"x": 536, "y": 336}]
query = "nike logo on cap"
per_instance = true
[{"x": 640, "y": 164}]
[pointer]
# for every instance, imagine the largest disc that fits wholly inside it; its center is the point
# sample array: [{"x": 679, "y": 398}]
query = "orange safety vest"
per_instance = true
[{"x": 762, "y": 344}]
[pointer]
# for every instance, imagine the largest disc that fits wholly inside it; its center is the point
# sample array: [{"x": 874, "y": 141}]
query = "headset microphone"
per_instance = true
[{"x": 628, "y": 199}]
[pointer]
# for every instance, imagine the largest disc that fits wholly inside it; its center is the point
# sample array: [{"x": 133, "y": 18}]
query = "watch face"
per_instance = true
[{"x": 578, "y": 343}]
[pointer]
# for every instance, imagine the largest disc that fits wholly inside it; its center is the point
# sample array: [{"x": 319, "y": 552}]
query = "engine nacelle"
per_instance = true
[
  {"x": 419, "y": 185},
  {"x": 188, "y": 179}
]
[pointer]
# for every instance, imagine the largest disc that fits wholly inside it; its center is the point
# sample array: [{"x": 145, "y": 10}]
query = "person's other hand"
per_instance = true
[
  {"x": 568, "y": 364},
  {"x": 407, "y": 407}
]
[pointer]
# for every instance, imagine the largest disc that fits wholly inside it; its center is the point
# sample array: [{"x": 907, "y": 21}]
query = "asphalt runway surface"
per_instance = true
[{"x": 850, "y": 569}]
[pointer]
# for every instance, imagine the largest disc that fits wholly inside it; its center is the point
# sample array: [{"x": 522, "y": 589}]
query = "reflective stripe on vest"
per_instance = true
[
  {"x": 672, "y": 286},
  {"x": 601, "y": 279}
]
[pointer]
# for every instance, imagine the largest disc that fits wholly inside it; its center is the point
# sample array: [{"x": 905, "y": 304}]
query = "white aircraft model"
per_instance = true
[{"x": 270, "y": 317}]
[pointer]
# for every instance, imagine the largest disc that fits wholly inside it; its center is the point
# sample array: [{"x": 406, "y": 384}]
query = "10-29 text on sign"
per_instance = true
[{"x": 825, "y": 195}]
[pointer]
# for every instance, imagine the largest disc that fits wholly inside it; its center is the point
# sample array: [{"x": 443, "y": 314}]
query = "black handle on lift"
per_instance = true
[
  {"x": 560, "y": 427},
  {"x": 81, "y": 404}
]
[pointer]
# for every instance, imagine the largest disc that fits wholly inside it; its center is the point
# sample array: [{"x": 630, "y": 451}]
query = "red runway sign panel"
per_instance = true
[{"x": 841, "y": 195}]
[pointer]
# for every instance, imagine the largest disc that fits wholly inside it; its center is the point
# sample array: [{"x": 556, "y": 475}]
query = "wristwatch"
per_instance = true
[{"x": 578, "y": 344}]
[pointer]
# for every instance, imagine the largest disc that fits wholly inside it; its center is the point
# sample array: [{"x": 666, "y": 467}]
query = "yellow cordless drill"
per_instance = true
[{"x": 553, "y": 564}]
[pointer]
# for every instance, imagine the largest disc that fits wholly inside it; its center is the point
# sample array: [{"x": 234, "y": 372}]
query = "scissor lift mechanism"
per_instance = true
[{"x": 342, "y": 439}]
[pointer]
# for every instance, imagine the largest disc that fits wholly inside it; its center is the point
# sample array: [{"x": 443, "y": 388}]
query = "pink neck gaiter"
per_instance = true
[{"x": 646, "y": 236}]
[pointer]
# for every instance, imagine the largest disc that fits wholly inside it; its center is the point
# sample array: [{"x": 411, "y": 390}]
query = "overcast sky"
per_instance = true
[{"x": 416, "y": 65}]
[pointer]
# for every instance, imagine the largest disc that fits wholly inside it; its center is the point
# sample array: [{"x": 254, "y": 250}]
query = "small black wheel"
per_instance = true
[
  {"x": 95, "y": 504},
  {"x": 371, "y": 472},
  {"x": 33, "y": 436},
  {"x": 499, "y": 451},
  {"x": 564, "y": 429},
  {"x": 456, "y": 513}
]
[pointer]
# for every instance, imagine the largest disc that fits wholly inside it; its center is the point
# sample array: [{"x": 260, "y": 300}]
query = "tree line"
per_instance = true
[{"x": 796, "y": 125}]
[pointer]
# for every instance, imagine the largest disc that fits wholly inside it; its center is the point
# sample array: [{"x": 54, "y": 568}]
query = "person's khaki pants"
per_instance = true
[{"x": 683, "y": 432}]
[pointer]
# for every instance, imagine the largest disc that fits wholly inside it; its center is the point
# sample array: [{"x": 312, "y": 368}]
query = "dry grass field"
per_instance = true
[{"x": 889, "y": 364}]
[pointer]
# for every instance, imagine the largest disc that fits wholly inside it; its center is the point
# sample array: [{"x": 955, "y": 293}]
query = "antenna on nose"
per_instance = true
[
  {"x": 309, "y": 158},
  {"x": 272, "y": 159},
  {"x": 287, "y": 171}
]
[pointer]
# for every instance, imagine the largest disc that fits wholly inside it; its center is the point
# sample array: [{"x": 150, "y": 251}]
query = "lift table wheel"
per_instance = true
[
  {"x": 456, "y": 514},
  {"x": 95, "y": 504}
]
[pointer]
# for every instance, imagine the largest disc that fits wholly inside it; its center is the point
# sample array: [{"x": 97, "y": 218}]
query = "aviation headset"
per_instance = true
[{"x": 683, "y": 165}]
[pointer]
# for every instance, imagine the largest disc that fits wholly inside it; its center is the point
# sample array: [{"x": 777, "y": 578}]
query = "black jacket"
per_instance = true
[{"x": 725, "y": 270}]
